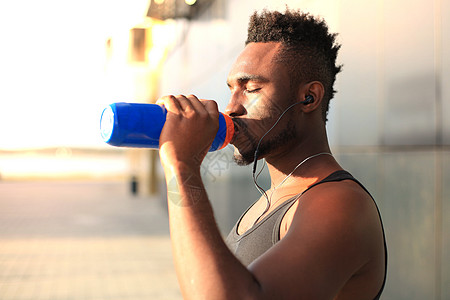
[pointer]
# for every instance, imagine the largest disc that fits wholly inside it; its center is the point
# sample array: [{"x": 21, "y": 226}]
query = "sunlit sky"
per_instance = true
[{"x": 53, "y": 82}]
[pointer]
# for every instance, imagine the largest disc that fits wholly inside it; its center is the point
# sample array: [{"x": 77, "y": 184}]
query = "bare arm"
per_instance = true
[
  {"x": 311, "y": 262},
  {"x": 206, "y": 269}
]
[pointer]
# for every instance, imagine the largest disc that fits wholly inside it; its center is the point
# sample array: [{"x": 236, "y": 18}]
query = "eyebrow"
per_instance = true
[{"x": 244, "y": 77}]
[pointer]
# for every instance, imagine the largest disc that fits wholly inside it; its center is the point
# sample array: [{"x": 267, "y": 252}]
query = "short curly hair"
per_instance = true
[{"x": 309, "y": 50}]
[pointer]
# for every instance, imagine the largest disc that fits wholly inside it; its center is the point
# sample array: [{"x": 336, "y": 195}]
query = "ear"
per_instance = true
[{"x": 315, "y": 90}]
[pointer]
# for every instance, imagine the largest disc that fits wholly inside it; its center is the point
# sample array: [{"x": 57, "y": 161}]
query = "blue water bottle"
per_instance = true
[{"x": 139, "y": 125}]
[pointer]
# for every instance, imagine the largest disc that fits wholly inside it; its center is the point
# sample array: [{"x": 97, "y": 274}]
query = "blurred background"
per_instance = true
[{"x": 68, "y": 197}]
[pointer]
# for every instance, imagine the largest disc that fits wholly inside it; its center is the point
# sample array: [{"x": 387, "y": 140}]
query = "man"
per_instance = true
[{"x": 316, "y": 233}]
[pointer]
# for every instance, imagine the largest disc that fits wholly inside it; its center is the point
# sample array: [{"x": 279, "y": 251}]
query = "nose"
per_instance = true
[{"x": 235, "y": 108}]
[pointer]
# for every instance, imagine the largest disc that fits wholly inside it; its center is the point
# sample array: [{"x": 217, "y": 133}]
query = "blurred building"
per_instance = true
[{"x": 387, "y": 123}]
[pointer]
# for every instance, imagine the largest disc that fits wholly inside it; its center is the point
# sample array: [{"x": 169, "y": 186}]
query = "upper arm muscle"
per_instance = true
[{"x": 325, "y": 245}]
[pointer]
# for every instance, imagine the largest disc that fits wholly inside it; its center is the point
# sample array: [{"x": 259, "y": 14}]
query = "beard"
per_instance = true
[{"x": 268, "y": 145}]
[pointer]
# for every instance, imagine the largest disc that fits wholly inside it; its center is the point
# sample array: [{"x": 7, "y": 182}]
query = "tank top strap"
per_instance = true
[{"x": 333, "y": 177}]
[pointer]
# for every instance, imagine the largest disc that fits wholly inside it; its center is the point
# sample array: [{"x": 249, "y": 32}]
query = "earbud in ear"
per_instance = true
[{"x": 308, "y": 99}]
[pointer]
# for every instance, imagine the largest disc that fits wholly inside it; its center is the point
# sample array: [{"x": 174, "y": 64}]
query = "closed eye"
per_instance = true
[{"x": 251, "y": 91}]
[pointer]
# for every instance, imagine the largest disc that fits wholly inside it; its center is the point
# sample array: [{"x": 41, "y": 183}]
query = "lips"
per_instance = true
[
  {"x": 242, "y": 140},
  {"x": 236, "y": 131}
]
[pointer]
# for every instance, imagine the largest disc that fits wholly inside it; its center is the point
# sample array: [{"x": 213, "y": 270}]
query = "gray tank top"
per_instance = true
[{"x": 266, "y": 233}]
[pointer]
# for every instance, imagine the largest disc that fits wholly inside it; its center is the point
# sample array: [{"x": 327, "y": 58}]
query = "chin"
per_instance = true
[{"x": 240, "y": 159}]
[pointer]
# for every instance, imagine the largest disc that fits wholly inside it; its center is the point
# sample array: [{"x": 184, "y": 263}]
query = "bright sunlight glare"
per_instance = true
[{"x": 53, "y": 69}]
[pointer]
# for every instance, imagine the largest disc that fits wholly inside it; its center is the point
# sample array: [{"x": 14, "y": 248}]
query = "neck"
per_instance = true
[{"x": 306, "y": 161}]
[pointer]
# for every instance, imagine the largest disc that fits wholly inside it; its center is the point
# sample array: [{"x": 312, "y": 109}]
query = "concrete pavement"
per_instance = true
[{"x": 83, "y": 240}]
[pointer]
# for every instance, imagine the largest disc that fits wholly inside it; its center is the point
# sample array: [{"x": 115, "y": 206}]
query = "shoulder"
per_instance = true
[
  {"x": 346, "y": 192},
  {"x": 346, "y": 195},
  {"x": 344, "y": 202},
  {"x": 339, "y": 212},
  {"x": 334, "y": 235},
  {"x": 338, "y": 201}
]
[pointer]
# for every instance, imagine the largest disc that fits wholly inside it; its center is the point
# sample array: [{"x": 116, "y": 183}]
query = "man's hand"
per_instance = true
[{"x": 191, "y": 125}]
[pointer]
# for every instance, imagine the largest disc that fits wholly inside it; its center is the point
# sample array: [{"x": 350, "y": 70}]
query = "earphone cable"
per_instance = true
[{"x": 255, "y": 161}]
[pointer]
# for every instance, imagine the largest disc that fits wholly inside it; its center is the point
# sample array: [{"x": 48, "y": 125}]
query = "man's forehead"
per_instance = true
[
  {"x": 254, "y": 60},
  {"x": 263, "y": 46},
  {"x": 255, "y": 52}
]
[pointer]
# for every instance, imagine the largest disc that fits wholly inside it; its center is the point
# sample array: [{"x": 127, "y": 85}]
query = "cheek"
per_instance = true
[
  {"x": 260, "y": 108},
  {"x": 263, "y": 110},
  {"x": 253, "y": 103},
  {"x": 268, "y": 104}
]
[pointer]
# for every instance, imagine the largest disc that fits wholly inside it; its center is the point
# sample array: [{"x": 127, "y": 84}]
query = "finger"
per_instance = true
[
  {"x": 160, "y": 101},
  {"x": 184, "y": 102},
  {"x": 170, "y": 103},
  {"x": 203, "y": 105},
  {"x": 196, "y": 103},
  {"x": 175, "y": 103},
  {"x": 211, "y": 107}
]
